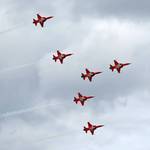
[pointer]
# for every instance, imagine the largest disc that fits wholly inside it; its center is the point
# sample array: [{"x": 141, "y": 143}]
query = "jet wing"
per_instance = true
[
  {"x": 89, "y": 124},
  {"x": 79, "y": 94},
  {"x": 118, "y": 69},
  {"x": 61, "y": 61},
  {"x": 116, "y": 63},
  {"x": 58, "y": 52},
  {"x": 38, "y": 16},
  {"x": 82, "y": 103},
  {"x": 87, "y": 71},
  {"x": 90, "y": 79},
  {"x": 92, "y": 132},
  {"x": 42, "y": 24}
]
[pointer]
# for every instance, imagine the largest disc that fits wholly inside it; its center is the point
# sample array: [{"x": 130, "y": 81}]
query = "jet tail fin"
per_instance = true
[
  {"x": 83, "y": 76},
  {"x": 85, "y": 129},
  {"x": 54, "y": 58},
  {"x": 111, "y": 67},
  {"x": 75, "y": 100},
  {"x": 35, "y": 22}
]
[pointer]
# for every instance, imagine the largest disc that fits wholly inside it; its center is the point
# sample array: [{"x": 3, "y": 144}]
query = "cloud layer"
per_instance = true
[{"x": 36, "y": 100}]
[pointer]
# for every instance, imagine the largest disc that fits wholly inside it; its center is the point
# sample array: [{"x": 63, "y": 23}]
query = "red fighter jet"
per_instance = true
[
  {"x": 82, "y": 98},
  {"x": 91, "y": 128},
  {"x": 118, "y": 66},
  {"x": 89, "y": 74},
  {"x": 41, "y": 20},
  {"x": 60, "y": 56}
]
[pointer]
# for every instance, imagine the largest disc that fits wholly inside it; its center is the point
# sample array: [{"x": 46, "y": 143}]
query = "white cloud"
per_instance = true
[{"x": 120, "y": 102}]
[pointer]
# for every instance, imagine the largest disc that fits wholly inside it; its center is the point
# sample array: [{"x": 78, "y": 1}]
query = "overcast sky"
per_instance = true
[{"x": 37, "y": 111}]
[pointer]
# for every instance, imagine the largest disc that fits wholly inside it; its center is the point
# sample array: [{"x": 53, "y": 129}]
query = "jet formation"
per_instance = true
[
  {"x": 91, "y": 128},
  {"x": 82, "y": 98},
  {"x": 60, "y": 56},
  {"x": 118, "y": 66},
  {"x": 41, "y": 20},
  {"x": 89, "y": 74}
]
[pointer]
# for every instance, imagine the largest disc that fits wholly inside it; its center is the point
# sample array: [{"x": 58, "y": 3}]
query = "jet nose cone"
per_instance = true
[
  {"x": 98, "y": 72},
  {"x": 91, "y": 96}
]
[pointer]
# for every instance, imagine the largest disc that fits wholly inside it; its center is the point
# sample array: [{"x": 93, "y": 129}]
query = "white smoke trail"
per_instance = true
[
  {"x": 27, "y": 110},
  {"x": 12, "y": 28},
  {"x": 48, "y": 138},
  {"x": 16, "y": 67}
]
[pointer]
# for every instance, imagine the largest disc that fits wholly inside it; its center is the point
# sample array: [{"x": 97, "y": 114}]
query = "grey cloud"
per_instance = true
[
  {"x": 76, "y": 9},
  {"x": 113, "y": 8},
  {"x": 118, "y": 123},
  {"x": 95, "y": 42},
  {"x": 18, "y": 88}
]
